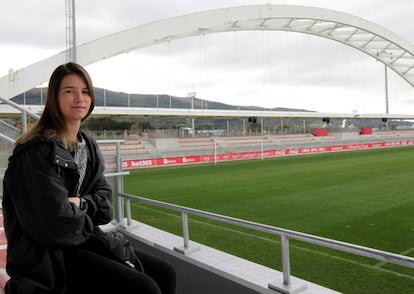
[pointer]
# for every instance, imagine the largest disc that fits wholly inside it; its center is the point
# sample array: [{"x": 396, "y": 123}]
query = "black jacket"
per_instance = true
[{"x": 39, "y": 220}]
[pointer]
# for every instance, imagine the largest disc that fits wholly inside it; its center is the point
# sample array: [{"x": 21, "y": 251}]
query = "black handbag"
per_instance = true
[{"x": 115, "y": 245}]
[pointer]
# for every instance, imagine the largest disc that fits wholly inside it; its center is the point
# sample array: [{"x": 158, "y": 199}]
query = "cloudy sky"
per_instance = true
[{"x": 269, "y": 69}]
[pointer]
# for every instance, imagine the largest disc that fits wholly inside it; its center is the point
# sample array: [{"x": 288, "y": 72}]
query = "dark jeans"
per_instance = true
[{"x": 88, "y": 272}]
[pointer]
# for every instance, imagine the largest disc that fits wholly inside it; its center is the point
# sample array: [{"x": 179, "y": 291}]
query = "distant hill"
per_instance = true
[{"x": 37, "y": 96}]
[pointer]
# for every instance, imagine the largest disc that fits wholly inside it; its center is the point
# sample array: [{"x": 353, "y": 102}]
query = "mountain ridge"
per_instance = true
[{"x": 106, "y": 97}]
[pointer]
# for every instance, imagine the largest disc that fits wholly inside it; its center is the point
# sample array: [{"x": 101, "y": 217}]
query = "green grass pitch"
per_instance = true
[{"x": 362, "y": 197}]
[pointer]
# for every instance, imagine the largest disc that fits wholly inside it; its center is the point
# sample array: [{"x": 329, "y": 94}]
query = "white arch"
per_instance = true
[{"x": 350, "y": 30}]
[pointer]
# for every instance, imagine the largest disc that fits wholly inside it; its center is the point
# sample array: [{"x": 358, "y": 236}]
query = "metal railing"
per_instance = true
[
  {"x": 24, "y": 112},
  {"x": 119, "y": 175},
  {"x": 284, "y": 234}
]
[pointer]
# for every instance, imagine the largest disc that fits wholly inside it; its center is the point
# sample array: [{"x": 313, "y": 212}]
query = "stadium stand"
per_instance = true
[{"x": 148, "y": 147}]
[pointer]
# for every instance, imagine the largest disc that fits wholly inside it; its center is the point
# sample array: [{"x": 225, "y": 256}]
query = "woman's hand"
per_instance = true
[
  {"x": 78, "y": 202},
  {"x": 75, "y": 200}
]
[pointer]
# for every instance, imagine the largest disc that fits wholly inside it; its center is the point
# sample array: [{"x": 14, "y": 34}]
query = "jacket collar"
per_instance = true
[{"x": 60, "y": 155}]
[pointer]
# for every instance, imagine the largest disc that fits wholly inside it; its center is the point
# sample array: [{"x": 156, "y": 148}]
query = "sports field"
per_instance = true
[{"x": 361, "y": 197}]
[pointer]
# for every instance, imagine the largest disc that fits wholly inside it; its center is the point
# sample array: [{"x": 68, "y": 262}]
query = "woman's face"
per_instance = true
[{"x": 74, "y": 99}]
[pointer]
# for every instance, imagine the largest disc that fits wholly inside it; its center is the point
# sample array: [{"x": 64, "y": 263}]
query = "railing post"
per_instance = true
[
  {"x": 24, "y": 121},
  {"x": 120, "y": 185},
  {"x": 286, "y": 287},
  {"x": 128, "y": 211},
  {"x": 284, "y": 243},
  {"x": 186, "y": 236}
]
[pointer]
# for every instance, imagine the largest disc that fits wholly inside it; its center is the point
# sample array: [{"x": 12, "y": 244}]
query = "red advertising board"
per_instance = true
[{"x": 142, "y": 163}]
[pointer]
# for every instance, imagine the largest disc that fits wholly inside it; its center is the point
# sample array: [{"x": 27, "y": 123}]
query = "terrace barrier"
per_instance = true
[{"x": 284, "y": 234}]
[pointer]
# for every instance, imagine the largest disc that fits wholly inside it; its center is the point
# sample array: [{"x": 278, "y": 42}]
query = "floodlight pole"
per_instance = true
[
  {"x": 192, "y": 95},
  {"x": 386, "y": 88},
  {"x": 389, "y": 54},
  {"x": 70, "y": 31}
]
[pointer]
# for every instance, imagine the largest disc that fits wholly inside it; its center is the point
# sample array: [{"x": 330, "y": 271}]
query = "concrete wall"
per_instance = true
[{"x": 192, "y": 279}]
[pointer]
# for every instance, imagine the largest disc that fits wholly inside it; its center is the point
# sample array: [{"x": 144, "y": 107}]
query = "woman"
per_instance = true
[{"x": 54, "y": 198}]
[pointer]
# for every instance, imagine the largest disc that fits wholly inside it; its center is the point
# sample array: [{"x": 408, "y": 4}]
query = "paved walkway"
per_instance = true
[{"x": 3, "y": 247}]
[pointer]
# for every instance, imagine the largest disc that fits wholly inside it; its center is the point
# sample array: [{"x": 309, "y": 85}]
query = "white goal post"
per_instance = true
[{"x": 237, "y": 147}]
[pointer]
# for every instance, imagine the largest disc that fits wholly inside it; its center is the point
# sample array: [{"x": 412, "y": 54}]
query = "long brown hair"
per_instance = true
[{"x": 51, "y": 122}]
